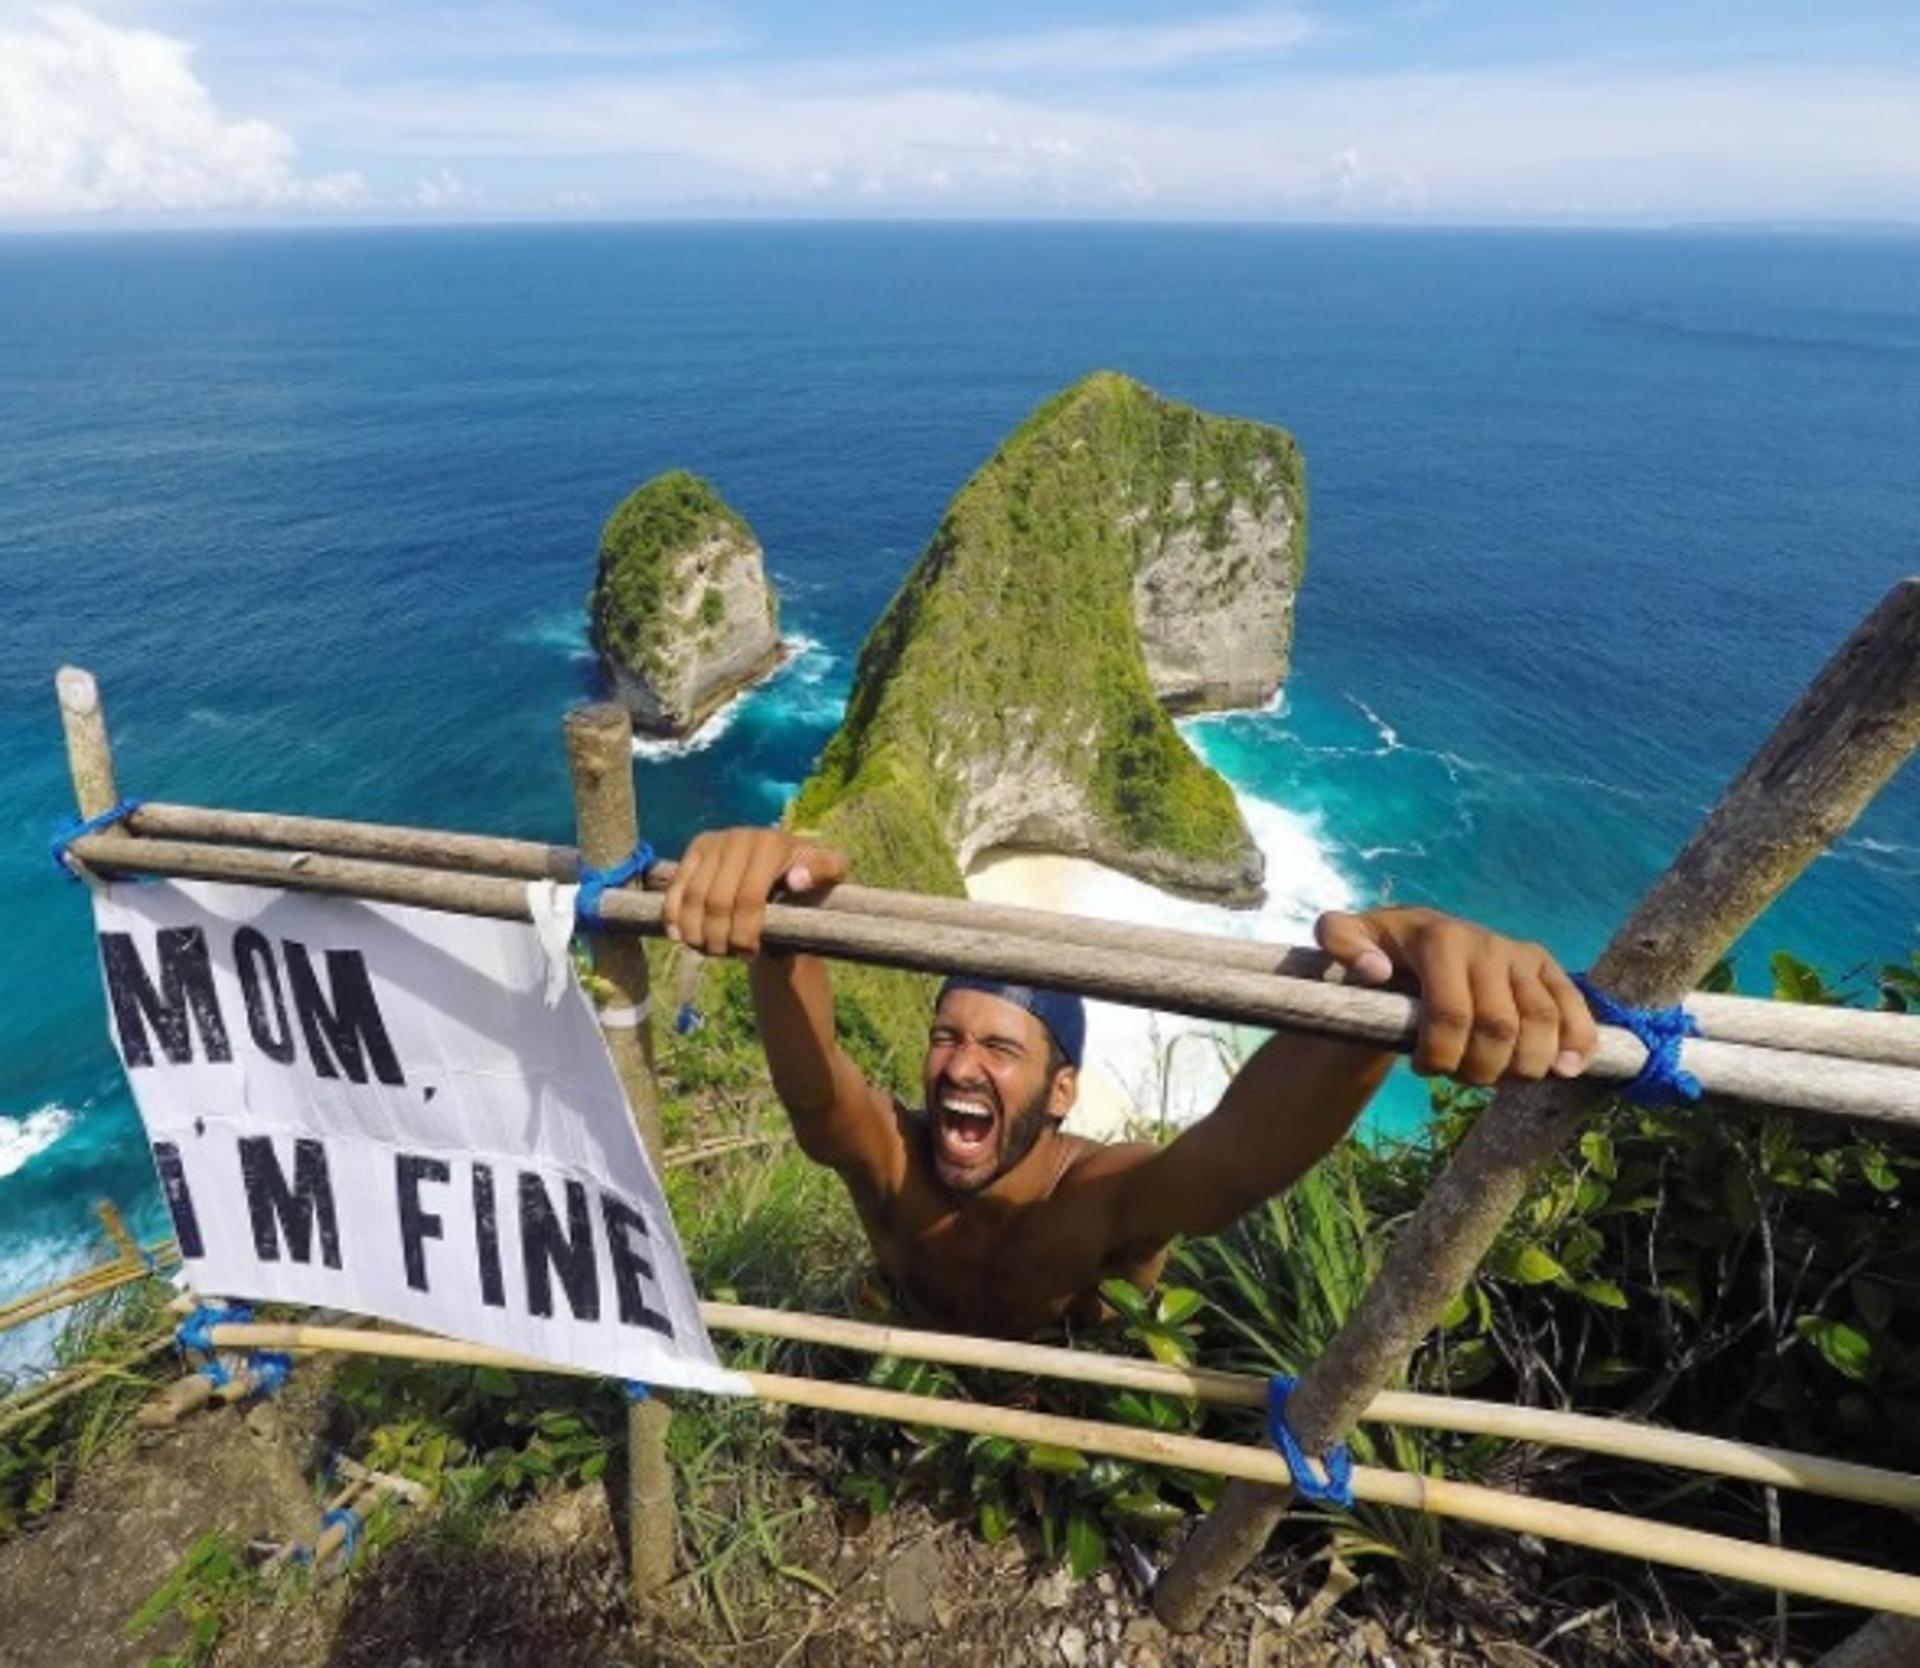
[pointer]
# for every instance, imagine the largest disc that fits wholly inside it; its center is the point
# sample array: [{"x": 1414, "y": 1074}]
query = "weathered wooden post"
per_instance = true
[
  {"x": 600, "y": 755},
  {"x": 89, "y": 756},
  {"x": 1853, "y": 727}
]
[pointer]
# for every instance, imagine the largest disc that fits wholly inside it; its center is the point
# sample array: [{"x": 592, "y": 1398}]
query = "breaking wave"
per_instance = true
[{"x": 25, "y": 1138}]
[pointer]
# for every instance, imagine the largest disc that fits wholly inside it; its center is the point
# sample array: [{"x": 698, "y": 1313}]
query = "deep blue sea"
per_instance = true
[{"x": 320, "y": 510}]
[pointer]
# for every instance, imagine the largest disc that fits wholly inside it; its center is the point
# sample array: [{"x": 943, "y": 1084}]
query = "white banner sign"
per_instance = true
[{"x": 367, "y": 1107}]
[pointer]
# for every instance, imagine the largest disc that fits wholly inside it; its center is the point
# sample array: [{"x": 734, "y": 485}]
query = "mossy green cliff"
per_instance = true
[
  {"x": 680, "y": 613},
  {"x": 1120, "y": 554}
]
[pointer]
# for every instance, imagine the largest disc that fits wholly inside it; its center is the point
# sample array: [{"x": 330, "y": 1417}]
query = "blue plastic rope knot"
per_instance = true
[
  {"x": 269, "y": 1369},
  {"x": 76, "y": 828},
  {"x": 687, "y": 1019},
  {"x": 214, "y": 1371},
  {"x": 595, "y": 882},
  {"x": 1336, "y": 1488},
  {"x": 1663, "y": 1081},
  {"x": 193, "y": 1332},
  {"x": 349, "y": 1522},
  {"x": 636, "y": 1391}
]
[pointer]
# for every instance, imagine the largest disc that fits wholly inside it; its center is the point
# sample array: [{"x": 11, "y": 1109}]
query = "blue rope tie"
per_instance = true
[
  {"x": 270, "y": 1370},
  {"x": 75, "y": 828},
  {"x": 636, "y": 1391},
  {"x": 349, "y": 1522},
  {"x": 687, "y": 1019},
  {"x": 192, "y": 1334},
  {"x": 594, "y": 882},
  {"x": 1337, "y": 1487},
  {"x": 214, "y": 1371},
  {"x": 1663, "y": 1081}
]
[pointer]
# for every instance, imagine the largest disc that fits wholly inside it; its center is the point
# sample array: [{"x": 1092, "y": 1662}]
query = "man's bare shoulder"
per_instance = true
[{"x": 1092, "y": 1162}]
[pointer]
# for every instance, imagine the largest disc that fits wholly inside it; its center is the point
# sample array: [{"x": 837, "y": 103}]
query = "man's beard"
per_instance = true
[
  {"x": 1024, "y": 1130},
  {"x": 1027, "y": 1130}
]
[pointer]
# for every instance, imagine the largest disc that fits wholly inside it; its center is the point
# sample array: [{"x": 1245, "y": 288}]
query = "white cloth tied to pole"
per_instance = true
[
  {"x": 402, "y": 1113},
  {"x": 552, "y": 907}
]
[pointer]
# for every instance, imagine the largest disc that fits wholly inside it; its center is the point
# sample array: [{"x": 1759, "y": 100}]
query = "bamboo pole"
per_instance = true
[
  {"x": 1612, "y": 1532},
  {"x": 1624, "y": 1439},
  {"x": 1842, "y": 1032},
  {"x": 1550, "y": 1427},
  {"x": 349, "y": 1498},
  {"x": 116, "y": 1231},
  {"x": 83, "y": 1287},
  {"x": 44, "y": 1397},
  {"x": 1784, "y": 1079},
  {"x": 1855, "y": 725},
  {"x": 185, "y": 1395},
  {"x": 600, "y": 756},
  {"x": 699, "y": 1152}
]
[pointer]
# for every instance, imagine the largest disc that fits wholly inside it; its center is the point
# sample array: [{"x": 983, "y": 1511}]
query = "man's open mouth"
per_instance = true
[{"x": 965, "y": 1128}]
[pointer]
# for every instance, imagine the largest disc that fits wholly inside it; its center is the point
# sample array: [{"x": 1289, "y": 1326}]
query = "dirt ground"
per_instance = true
[{"x": 547, "y": 1587}]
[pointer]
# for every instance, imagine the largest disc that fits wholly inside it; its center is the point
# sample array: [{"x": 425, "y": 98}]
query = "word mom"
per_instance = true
[{"x": 339, "y": 1021}]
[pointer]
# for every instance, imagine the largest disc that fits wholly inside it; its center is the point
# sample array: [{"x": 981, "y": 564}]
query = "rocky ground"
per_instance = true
[{"x": 545, "y": 1585}]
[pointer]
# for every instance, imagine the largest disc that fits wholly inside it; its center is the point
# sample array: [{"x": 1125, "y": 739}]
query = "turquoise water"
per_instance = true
[{"x": 320, "y": 509}]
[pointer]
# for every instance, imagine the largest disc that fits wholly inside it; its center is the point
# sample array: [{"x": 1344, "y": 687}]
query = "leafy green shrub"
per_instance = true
[
  {"x": 1748, "y": 1275},
  {"x": 626, "y": 608}
]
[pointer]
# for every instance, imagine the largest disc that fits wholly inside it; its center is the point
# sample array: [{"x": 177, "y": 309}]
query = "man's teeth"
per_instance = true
[{"x": 970, "y": 1117}]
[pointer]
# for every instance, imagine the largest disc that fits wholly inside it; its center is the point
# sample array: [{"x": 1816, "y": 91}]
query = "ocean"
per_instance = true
[{"x": 319, "y": 508}]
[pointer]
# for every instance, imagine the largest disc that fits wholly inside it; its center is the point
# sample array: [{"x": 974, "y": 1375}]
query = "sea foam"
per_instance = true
[
  {"x": 25, "y": 1138},
  {"x": 1167, "y": 1067},
  {"x": 799, "y": 651}
]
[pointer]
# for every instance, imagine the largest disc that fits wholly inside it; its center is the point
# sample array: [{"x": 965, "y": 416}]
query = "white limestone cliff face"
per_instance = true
[
  {"x": 1215, "y": 612},
  {"x": 681, "y": 614},
  {"x": 705, "y": 651},
  {"x": 1025, "y": 798}
]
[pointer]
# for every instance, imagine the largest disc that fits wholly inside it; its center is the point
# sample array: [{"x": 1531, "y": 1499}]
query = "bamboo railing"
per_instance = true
[
  {"x": 1611, "y": 1532},
  {"x": 1854, "y": 726}
]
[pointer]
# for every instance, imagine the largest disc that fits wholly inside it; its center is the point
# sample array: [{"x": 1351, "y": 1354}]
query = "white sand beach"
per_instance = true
[
  {"x": 1144, "y": 1067},
  {"x": 1123, "y": 1082}
]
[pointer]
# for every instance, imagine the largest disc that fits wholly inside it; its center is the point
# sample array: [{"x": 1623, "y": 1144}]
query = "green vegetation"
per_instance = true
[
  {"x": 205, "y": 1588},
  {"x": 653, "y": 524},
  {"x": 1012, "y": 644},
  {"x": 41, "y": 1453}
]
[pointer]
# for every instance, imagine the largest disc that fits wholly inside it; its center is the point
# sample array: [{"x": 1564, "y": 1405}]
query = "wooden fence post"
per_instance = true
[
  {"x": 600, "y": 755},
  {"x": 1852, "y": 728},
  {"x": 89, "y": 756}
]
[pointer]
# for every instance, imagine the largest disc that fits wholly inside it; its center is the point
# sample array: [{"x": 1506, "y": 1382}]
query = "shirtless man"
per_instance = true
[{"x": 983, "y": 1214}]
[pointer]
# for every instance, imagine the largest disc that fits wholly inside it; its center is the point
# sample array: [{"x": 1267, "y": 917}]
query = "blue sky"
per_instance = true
[{"x": 1383, "y": 110}]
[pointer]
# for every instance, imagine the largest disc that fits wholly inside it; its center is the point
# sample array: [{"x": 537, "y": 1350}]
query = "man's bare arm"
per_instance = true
[
  {"x": 1490, "y": 1008},
  {"x": 717, "y": 904}
]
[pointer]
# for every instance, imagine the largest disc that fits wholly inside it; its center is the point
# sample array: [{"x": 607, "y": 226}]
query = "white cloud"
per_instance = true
[
  {"x": 96, "y": 118},
  {"x": 1061, "y": 121},
  {"x": 444, "y": 191},
  {"x": 1523, "y": 143},
  {"x": 1115, "y": 50}
]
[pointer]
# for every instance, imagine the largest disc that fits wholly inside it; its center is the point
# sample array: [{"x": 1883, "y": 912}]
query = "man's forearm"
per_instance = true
[
  {"x": 793, "y": 1006},
  {"x": 1284, "y": 1111}
]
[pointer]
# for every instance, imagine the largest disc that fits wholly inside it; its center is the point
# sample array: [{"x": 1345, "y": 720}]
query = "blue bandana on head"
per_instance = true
[{"x": 1063, "y": 1014}]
